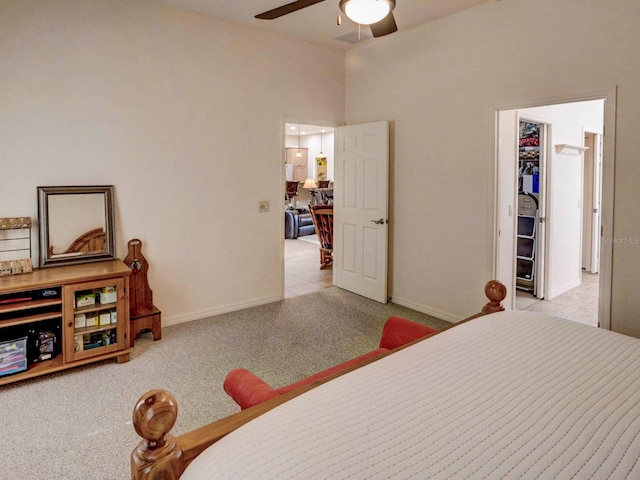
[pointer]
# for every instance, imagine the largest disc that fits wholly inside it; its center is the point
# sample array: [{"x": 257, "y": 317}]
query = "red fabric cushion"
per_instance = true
[
  {"x": 246, "y": 388},
  {"x": 397, "y": 331}
]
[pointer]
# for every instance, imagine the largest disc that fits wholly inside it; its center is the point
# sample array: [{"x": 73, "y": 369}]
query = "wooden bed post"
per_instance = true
[
  {"x": 158, "y": 456},
  {"x": 496, "y": 292}
]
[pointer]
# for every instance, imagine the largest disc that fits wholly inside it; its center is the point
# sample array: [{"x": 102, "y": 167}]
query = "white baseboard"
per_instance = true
[
  {"x": 231, "y": 307},
  {"x": 426, "y": 309}
]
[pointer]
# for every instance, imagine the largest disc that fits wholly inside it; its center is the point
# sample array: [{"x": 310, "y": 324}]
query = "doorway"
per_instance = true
[
  {"x": 309, "y": 150},
  {"x": 361, "y": 169},
  {"x": 571, "y": 288}
]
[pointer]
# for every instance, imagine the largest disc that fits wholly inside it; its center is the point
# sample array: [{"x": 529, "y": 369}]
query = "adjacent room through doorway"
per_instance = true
[
  {"x": 549, "y": 194},
  {"x": 308, "y": 164}
]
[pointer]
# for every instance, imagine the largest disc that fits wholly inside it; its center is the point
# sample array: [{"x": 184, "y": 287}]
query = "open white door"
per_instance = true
[
  {"x": 591, "y": 203},
  {"x": 361, "y": 211}
]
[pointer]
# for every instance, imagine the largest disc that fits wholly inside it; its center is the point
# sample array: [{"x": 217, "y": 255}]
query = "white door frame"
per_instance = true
[{"x": 609, "y": 94}]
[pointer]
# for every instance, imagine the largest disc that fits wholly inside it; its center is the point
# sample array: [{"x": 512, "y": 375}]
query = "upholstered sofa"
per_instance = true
[
  {"x": 247, "y": 389},
  {"x": 297, "y": 223},
  {"x": 323, "y": 196}
]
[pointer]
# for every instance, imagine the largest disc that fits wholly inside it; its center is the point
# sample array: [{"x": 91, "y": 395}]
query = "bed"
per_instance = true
[
  {"x": 91, "y": 241},
  {"x": 508, "y": 395}
]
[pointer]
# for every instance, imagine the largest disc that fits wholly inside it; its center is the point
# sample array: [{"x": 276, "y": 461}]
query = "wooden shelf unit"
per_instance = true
[{"x": 21, "y": 310}]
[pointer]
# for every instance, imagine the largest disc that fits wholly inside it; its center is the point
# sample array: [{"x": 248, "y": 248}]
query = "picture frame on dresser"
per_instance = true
[{"x": 76, "y": 224}]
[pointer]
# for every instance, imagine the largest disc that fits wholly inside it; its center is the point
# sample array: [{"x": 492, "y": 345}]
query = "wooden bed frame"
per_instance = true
[
  {"x": 161, "y": 456},
  {"x": 91, "y": 241}
]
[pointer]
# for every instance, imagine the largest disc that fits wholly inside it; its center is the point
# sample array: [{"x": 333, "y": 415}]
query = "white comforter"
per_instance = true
[{"x": 513, "y": 395}]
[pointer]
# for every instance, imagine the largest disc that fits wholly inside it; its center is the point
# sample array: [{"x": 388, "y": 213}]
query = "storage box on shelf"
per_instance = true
[{"x": 56, "y": 311}]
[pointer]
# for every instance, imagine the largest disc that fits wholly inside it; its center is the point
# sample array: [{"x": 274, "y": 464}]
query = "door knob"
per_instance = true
[{"x": 380, "y": 221}]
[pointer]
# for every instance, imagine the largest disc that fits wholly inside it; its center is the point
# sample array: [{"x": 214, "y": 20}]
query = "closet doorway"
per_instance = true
[{"x": 567, "y": 229}]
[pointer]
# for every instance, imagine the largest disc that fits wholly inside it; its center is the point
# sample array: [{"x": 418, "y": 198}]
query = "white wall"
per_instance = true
[
  {"x": 183, "y": 114},
  {"x": 441, "y": 93}
]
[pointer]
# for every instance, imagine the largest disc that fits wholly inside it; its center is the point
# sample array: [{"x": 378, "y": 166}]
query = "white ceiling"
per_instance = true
[
  {"x": 317, "y": 23},
  {"x": 292, "y": 129}
]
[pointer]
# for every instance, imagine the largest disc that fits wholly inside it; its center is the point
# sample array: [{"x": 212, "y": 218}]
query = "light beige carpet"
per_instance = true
[{"x": 77, "y": 424}]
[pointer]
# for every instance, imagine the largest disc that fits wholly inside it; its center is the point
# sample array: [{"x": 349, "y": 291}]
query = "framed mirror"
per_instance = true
[{"x": 77, "y": 225}]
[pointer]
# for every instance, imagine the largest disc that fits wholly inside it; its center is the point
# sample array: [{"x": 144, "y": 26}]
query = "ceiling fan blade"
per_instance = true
[
  {"x": 385, "y": 26},
  {"x": 286, "y": 9}
]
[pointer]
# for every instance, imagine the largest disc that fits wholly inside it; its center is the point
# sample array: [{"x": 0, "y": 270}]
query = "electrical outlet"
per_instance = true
[{"x": 263, "y": 206}]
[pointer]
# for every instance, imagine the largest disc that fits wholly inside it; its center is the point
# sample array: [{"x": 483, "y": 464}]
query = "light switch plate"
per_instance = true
[{"x": 263, "y": 206}]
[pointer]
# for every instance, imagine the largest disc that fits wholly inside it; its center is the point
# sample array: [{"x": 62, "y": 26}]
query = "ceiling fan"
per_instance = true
[{"x": 378, "y": 14}]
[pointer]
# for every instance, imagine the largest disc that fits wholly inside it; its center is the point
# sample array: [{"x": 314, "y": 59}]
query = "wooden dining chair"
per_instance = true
[{"x": 323, "y": 220}]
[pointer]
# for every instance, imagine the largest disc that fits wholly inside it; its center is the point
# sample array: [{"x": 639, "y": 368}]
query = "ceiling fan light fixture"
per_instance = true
[{"x": 367, "y": 12}]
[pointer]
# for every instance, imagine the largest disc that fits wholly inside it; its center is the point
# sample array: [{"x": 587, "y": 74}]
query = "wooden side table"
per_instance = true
[{"x": 143, "y": 315}]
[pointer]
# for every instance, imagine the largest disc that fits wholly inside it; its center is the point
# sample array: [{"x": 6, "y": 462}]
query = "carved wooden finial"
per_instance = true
[
  {"x": 496, "y": 292},
  {"x": 158, "y": 456}
]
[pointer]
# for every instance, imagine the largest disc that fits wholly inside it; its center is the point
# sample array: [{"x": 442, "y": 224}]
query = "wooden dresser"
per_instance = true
[{"x": 63, "y": 317}]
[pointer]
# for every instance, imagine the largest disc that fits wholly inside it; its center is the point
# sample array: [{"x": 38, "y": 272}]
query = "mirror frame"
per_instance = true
[{"x": 109, "y": 252}]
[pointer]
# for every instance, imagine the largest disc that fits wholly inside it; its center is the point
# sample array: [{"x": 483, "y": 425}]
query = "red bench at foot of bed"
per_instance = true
[{"x": 247, "y": 389}]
